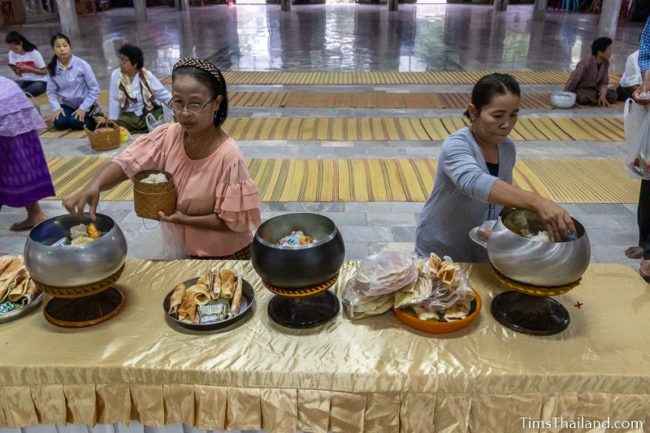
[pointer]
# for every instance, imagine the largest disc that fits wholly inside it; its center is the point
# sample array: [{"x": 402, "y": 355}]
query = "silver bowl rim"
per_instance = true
[
  {"x": 575, "y": 221},
  {"x": 297, "y": 247},
  {"x": 81, "y": 246}
]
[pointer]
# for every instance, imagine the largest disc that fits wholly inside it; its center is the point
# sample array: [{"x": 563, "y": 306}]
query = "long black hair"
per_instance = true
[
  {"x": 215, "y": 82},
  {"x": 490, "y": 86},
  {"x": 51, "y": 67},
  {"x": 14, "y": 37}
]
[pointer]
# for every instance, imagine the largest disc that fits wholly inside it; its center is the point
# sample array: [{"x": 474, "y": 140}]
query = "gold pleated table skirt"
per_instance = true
[{"x": 372, "y": 375}]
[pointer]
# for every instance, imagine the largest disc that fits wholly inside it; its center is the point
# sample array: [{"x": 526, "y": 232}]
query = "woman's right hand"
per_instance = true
[
  {"x": 77, "y": 203},
  {"x": 58, "y": 113},
  {"x": 556, "y": 220}
]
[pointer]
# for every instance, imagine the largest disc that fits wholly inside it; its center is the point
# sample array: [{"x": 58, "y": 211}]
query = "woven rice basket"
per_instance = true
[
  {"x": 151, "y": 198},
  {"x": 105, "y": 137}
]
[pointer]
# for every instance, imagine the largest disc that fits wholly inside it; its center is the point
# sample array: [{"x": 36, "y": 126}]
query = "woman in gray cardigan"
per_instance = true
[{"x": 474, "y": 178}]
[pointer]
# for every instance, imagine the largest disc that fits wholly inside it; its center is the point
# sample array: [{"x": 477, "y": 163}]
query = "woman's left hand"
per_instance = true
[
  {"x": 175, "y": 218},
  {"x": 79, "y": 114}
]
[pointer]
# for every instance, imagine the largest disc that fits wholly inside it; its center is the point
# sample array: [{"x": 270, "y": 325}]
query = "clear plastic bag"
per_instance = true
[
  {"x": 385, "y": 273},
  {"x": 153, "y": 122},
  {"x": 637, "y": 138},
  {"x": 446, "y": 294},
  {"x": 357, "y": 305}
]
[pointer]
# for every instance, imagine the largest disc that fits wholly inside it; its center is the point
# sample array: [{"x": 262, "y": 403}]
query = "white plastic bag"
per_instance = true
[
  {"x": 637, "y": 138},
  {"x": 153, "y": 122},
  {"x": 168, "y": 113}
]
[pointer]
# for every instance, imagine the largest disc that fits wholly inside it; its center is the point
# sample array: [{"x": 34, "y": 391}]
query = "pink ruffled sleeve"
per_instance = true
[
  {"x": 237, "y": 199},
  {"x": 145, "y": 153}
]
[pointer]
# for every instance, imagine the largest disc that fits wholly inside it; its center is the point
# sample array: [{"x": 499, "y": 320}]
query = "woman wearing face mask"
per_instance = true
[
  {"x": 72, "y": 88},
  {"x": 218, "y": 202},
  {"x": 474, "y": 178},
  {"x": 27, "y": 62}
]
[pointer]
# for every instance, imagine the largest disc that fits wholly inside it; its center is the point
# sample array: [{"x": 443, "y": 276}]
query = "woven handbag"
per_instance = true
[{"x": 105, "y": 137}]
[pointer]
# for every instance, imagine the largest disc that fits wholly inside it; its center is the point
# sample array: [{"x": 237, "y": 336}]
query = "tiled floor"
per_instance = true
[{"x": 348, "y": 37}]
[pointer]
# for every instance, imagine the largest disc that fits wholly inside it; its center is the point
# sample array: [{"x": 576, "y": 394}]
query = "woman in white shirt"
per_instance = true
[
  {"x": 27, "y": 63},
  {"x": 631, "y": 79},
  {"x": 135, "y": 92}
]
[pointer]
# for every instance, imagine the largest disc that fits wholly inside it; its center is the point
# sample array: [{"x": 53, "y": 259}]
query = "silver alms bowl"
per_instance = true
[
  {"x": 546, "y": 264},
  {"x": 74, "y": 265}
]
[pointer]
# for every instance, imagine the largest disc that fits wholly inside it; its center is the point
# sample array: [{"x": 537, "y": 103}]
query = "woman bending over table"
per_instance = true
[
  {"x": 474, "y": 178},
  {"x": 218, "y": 205},
  {"x": 72, "y": 88}
]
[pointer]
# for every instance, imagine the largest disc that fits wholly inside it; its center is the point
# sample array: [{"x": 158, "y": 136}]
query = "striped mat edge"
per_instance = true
[
  {"x": 386, "y": 77},
  {"x": 402, "y": 129},
  {"x": 371, "y": 180}
]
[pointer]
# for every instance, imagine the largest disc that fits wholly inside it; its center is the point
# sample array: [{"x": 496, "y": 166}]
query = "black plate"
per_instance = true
[{"x": 247, "y": 301}]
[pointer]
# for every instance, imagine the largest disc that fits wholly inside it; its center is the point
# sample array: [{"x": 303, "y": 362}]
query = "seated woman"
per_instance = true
[
  {"x": 474, "y": 176},
  {"x": 218, "y": 203},
  {"x": 590, "y": 80},
  {"x": 72, "y": 88},
  {"x": 27, "y": 63},
  {"x": 135, "y": 92}
]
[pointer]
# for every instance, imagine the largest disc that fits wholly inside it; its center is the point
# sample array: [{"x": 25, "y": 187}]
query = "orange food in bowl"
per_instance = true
[{"x": 436, "y": 327}]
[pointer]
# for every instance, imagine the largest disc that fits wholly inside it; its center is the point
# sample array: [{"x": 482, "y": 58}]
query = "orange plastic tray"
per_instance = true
[{"x": 435, "y": 327}]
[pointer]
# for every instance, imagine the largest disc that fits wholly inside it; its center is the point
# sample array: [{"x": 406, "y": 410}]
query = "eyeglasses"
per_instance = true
[
  {"x": 123, "y": 59},
  {"x": 193, "y": 107}
]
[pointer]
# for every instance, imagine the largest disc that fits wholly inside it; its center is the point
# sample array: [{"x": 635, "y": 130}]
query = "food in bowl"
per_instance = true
[
  {"x": 296, "y": 238},
  {"x": 155, "y": 178},
  {"x": 80, "y": 234}
]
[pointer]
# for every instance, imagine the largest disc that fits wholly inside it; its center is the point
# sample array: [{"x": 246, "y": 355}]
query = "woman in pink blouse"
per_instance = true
[{"x": 218, "y": 205}]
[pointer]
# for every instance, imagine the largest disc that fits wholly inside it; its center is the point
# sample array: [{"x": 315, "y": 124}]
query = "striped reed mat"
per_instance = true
[
  {"x": 368, "y": 100},
  {"x": 387, "y": 77},
  {"x": 402, "y": 129},
  {"x": 368, "y": 180},
  {"x": 103, "y": 99},
  {"x": 372, "y": 100}
]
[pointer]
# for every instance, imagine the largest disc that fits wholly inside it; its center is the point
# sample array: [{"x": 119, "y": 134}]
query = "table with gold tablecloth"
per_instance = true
[{"x": 371, "y": 375}]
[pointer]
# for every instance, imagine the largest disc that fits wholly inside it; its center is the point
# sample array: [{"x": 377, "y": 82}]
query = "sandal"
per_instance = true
[{"x": 634, "y": 252}]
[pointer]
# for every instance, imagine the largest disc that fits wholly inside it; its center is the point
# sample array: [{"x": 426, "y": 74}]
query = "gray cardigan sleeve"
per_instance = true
[{"x": 461, "y": 165}]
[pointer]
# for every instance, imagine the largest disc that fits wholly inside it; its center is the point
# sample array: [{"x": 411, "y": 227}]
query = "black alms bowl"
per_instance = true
[{"x": 301, "y": 266}]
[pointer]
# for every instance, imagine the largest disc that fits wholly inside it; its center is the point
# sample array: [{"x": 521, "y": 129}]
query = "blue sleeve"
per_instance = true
[
  {"x": 93, "y": 88},
  {"x": 644, "y": 49}
]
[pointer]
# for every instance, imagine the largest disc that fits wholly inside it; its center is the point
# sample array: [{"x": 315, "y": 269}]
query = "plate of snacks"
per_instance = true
[
  {"x": 18, "y": 293},
  {"x": 214, "y": 300},
  {"x": 440, "y": 300}
]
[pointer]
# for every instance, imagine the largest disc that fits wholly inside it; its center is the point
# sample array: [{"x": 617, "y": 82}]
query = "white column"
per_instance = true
[
  {"x": 501, "y": 5},
  {"x": 539, "y": 13},
  {"x": 140, "y": 7},
  {"x": 609, "y": 18},
  {"x": 68, "y": 17}
]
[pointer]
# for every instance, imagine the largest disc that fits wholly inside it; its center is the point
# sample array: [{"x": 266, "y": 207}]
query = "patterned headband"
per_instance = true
[{"x": 201, "y": 64}]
